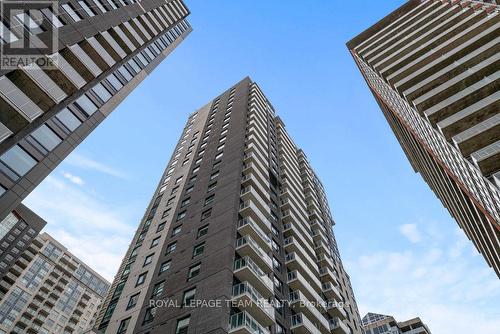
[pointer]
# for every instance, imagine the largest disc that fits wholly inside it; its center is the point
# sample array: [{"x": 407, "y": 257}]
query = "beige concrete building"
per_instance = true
[{"x": 49, "y": 290}]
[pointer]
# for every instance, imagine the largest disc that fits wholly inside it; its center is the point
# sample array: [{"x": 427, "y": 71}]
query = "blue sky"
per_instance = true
[{"x": 404, "y": 252}]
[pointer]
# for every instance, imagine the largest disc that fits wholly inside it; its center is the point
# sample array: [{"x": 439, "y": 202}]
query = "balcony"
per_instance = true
[
  {"x": 246, "y": 246},
  {"x": 301, "y": 325},
  {"x": 321, "y": 247},
  {"x": 254, "y": 177},
  {"x": 290, "y": 229},
  {"x": 249, "y": 209},
  {"x": 338, "y": 327},
  {"x": 296, "y": 281},
  {"x": 300, "y": 303},
  {"x": 327, "y": 274},
  {"x": 292, "y": 245},
  {"x": 335, "y": 310},
  {"x": 325, "y": 261},
  {"x": 245, "y": 269},
  {"x": 247, "y": 226},
  {"x": 248, "y": 299},
  {"x": 243, "y": 323},
  {"x": 331, "y": 291},
  {"x": 294, "y": 262},
  {"x": 256, "y": 170},
  {"x": 250, "y": 193}
]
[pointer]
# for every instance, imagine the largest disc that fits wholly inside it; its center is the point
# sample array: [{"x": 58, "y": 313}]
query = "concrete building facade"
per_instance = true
[
  {"x": 433, "y": 67},
  {"x": 49, "y": 291},
  {"x": 237, "y": 238},
  {"x": 104, "y": 49}
]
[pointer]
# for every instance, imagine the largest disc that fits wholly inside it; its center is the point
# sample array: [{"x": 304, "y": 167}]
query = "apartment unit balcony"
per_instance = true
[
  {"x": 300, "y": 324},
  {"x": 289, "y": 216},
  {"x": 325, "y": 260},
  {"x": 257, "y": 171},
  {"x": 244, "y": 323},
  {"x": 249, "y": 209},
  {"x": 296, "y": 281},
  {"x": 251, "y": 193},
  {"x": 331, "y": 292},
  {"x": 245, "y": 269},
  {"x": 248, "y": 299},
  {"x": 292, "y": 245},
  {"x": 292, "y": 230},
  {"x": 294, "y": 262},
  {"x": 314, "y": 214},
  {"x": 338, "y": 327},
  {"x": 254, "y": 154},
  {"x": 335, "y": 309},
  {"x": 319, "y": 235},
  {"x": 327, "y": 274},
  {"x": 247, "y": 226},
  {"x": 247, "y": 246},
  {"x": 299, "y": 303},
  {"x": 321, "y": 247}
]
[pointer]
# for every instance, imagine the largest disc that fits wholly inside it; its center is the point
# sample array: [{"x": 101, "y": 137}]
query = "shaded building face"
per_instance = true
[
  {"x": 433, "y": 69},
  {"x": 238, "y": 235},
  {"x": 100, "y": 51}
]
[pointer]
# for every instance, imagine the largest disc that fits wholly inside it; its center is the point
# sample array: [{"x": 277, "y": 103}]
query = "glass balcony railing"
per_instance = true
[{"x": 244, "y": 320}]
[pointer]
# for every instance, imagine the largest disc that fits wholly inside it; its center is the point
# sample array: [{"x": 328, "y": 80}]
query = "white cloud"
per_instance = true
[
  {"x": 452, "y": 290},
  {"x": 82, "y": 162},
  {"x": 73, "y": 178},
  {"x": 410, "y": 231},
  {"x": 87, "y": 225}
]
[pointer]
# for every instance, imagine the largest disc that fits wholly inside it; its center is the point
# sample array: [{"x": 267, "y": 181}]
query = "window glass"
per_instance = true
[
  {"x": 86, "y": 8},
  {"x": 18, "y": 160},
  {"x": 68, "y": 119},
  {"x": 102, "y": 92},
  {"x": 113, "y": 80},
  {"x": 46, "y": 137},
  {"x": 198, "y": 249},
  {"x": 188, "y": 297},
  {"x": 86, "y": 105},
  {"x": 194, "y": 271},
  {"x": 182, "y": 326}
]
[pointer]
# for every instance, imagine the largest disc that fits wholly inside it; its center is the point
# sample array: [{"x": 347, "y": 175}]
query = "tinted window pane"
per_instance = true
[
  {"x": 86, "y": 105},
  {"x": 113, "y": 80},
  {"x": 102, "y": 92},
  {"x": 17, "y": 159},
  {"x": 68, "y": 119},
  {"x": 45, "y": 136}
]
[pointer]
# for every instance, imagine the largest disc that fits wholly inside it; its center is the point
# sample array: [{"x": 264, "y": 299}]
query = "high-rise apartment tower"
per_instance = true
[
  {"x": 433, "y": 68},
  {"x": 103, "y": 50},
  {"x": 237, "y": 238}
]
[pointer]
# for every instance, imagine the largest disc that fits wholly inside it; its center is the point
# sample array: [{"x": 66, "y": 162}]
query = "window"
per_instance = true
[
  {"x": 87, "y": 106},
  {"x": 185, "y": 202},
  {"x": 155, "y": 242},
  {"x": 18, "y": 160},
  {"x": 216, "y": 165},
  {"x": 132, "y": 301},
  {"x": 194, "y": 271},
  {"x": 188, "y": 297},
  {"x": 202, "y": 231},
  {"x": 150, "y": 315},
  {"x": 171, "y": 248},
  {"x": 102, "y": 92},
  {"x": 198, "y": 249},
  {"x": 160, "y": 228},
  {"x": 196, "y": 169},
  {"x": 218, "y": 156},
  {"x": 122, "y": 328},
  {"x": 223, "y": 132},
  {"x": 209, "y": 199},
  {"x": 170, "y": 200},
  {"x": 181, "y": 215},
  {"x": 185, "y": 162},
  {"x": 164, "y": 267},
  {"x": 166, "y": 213},
  {"x": 46, "y": 137},
  {"x": 176, "y": 231},
  {"x": 148, "y": 259},
  {"x": 141, "y": 278},
  {"x": 174, "y": 190},
  {"x": 214, "y": 175},
  {"x": 220, "y": 147},
  {"x": 157, "y": 290},
  {"x": 189, "y": 190},
  {"x": 206, "y": 214},
  {"x": 211, "y": 187},
  {"x": 222, "y": 139},
  {"x": 198, "y": 161},
  {"x": 182, "y": 325},
  {"x": 179, "y": 179},
  {"x": 193, "y": 178}
]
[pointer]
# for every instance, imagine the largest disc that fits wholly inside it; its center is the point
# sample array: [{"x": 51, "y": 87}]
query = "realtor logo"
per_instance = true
[{"x": 28, "y": 33}]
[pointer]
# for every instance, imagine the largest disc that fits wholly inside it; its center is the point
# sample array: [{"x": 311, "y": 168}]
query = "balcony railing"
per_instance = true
[
  {"x": 254, "y": 303},
  {"x": 260, "y": 255},
  {"x": 337, "y": 326},
  {"x": 299, "y": 320},
  {"x": 260, "y": 279},
  {"x": 243, "y": 320},
  {"x": 248, "y": 226}
]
